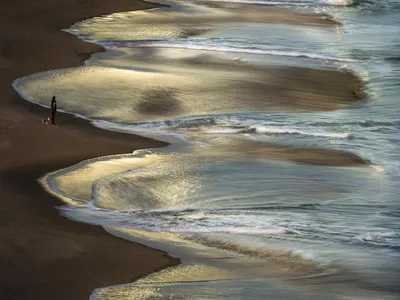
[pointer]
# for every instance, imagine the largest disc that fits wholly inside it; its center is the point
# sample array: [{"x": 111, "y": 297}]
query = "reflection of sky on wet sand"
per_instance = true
[
  {"x": 167, "y": 89},
  {"x": 185, "y": 182},
  {"x": 191, "y": 184}
]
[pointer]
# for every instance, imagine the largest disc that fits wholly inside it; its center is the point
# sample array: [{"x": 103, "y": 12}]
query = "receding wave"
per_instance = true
[
  {"x": 293, "y": 2},
  {"x": 368, "y": 123},
  {"x": 180, "y": 221},
  {"x": 274, "y": 131},
  {"x": 389, "y": 239},
  {"x": 228, "y": 125},
  {"x": 278, "y": 224},
  {"x": 325, "y": 57}
]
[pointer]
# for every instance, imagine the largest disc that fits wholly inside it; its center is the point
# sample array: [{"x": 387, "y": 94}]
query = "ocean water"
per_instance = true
[{"x": 277, "y": 183}]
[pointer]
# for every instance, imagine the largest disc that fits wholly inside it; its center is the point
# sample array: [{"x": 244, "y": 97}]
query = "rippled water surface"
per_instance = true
[{"x": 281, "y": 180}]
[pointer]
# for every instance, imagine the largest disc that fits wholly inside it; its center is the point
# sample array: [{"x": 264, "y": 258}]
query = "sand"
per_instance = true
[
  {"x": 42, "y": 255},
  {"x": 302, "y": 155}
]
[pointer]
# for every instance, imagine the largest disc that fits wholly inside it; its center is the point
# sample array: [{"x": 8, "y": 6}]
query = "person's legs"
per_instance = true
[{"x": 53, "y": 117}]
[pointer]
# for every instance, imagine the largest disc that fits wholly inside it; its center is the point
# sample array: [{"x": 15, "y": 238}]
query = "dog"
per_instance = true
[{"x": 46, "y": 121}]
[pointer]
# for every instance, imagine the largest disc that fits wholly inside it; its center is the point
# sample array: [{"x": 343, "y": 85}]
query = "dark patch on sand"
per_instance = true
[
  {"x": 159, "y": 101},
  {"x": 305, "y": 155}
]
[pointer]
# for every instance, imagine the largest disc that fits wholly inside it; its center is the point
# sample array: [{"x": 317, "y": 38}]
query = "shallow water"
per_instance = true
[{"x": 243, "y": 195}]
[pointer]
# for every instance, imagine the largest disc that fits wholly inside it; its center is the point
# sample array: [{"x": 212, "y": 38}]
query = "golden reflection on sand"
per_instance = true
[{"x": 183, "y": 88}]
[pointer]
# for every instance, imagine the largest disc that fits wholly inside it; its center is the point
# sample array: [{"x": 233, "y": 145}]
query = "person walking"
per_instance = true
[{"x": 53, "y": 110}]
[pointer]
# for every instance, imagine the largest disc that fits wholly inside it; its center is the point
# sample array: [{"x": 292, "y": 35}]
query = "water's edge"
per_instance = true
[{"x": 174, "y": 261}]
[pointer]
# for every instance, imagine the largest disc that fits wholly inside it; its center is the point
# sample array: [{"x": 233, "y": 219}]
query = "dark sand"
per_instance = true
[
  {"x": 42, "y": 255},
  {"x": 303, "y": 155}
]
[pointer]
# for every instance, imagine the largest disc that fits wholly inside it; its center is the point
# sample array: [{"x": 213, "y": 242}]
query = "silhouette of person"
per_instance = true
[{"x": 53, "y": 110}]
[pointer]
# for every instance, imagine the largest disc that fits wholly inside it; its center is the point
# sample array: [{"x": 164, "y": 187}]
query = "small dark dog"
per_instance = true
[{"x": 46, "y": 121}]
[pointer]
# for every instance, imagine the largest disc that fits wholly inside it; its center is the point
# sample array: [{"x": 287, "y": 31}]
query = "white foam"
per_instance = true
[
  {"x": 260, "y": 2},
  {"x": 387, "y": 238},
  {"x": 378, "y": 168},
  {"x": 274, "y": 130},
  {"x": 197, "y": 222},
  {"x": 326, "y": 57},
  {"x": 295, "y": 3},
  {"x": 341, "y": 2},
  {"x": 221, "y": 130},
  {"x": 178, "y": 128}
]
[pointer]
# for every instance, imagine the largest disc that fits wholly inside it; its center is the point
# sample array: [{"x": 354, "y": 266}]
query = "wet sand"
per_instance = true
[
  {"x": 272, "y": 14},
  {"x": 42, "y": 255},
  {"x": 176, "y": 89}
]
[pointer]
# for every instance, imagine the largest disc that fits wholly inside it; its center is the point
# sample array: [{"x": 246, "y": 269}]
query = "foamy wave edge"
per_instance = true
[
  {"x": 295, "y": 54},
  {"x": 321, "y": 2}
]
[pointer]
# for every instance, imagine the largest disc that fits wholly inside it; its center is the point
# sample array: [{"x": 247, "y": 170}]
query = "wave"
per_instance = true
[
  {"x": 296, "y": 54},
  {"x": 180, "y": 221},
  {"x": 277, "y": 131},
  {"x": 215, "y": 125},
  {"x": 295, "y": 3},
  {"x": 389, "y": 239},
  {"x": 369, "y": 123},
  {"x": 287, "y": 225},
  {"x": 340, "y": 2}
]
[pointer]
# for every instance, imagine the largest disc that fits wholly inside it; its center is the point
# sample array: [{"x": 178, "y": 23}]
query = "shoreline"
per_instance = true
[
  {"x": 42, "y": 253},
  {"x": 69, "y": 247}
]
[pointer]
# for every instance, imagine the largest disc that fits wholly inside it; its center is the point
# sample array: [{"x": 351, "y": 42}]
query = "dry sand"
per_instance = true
[{"x": 42, "y": 255}]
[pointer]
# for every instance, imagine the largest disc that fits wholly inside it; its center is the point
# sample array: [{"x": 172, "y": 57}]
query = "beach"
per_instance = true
[
  {"x": 42, "y": 253},
  {"x": 252, "y": 142}
]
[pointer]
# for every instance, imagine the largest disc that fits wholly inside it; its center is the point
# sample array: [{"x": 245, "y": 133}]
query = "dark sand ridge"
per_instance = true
[
  {"x": 305, "y": 155},
  {"x": 44, "y": 256}
]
